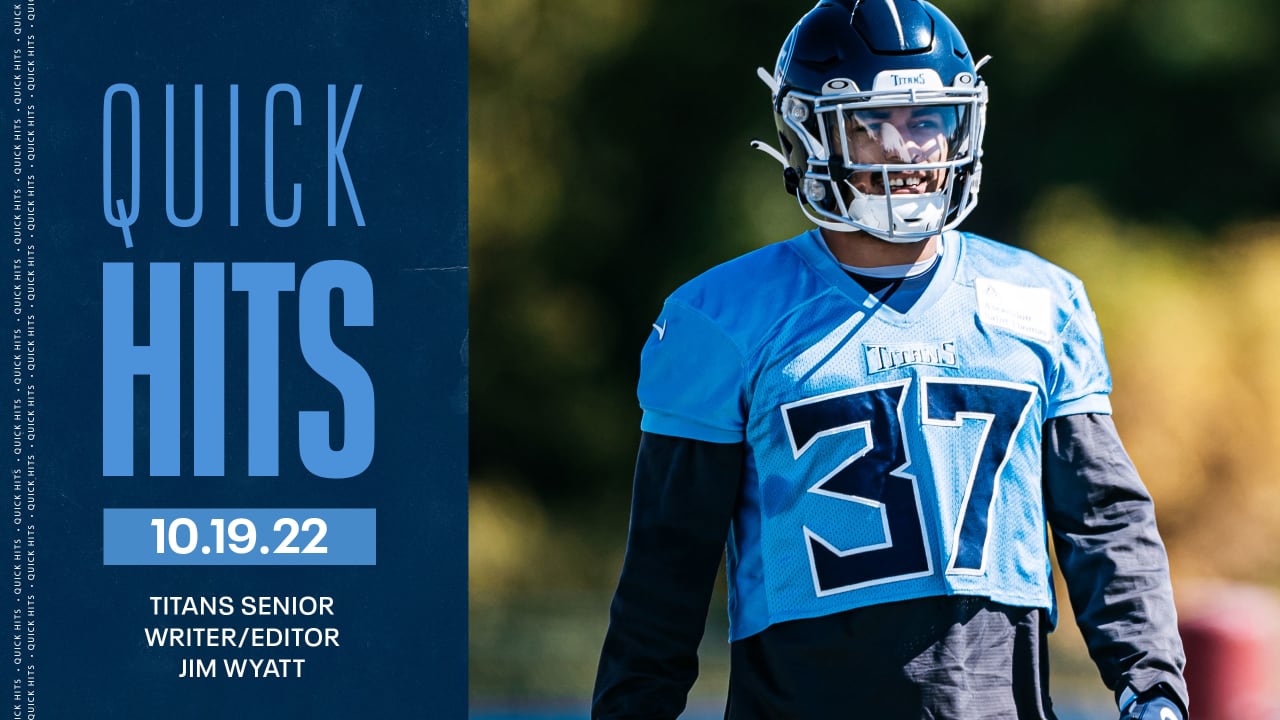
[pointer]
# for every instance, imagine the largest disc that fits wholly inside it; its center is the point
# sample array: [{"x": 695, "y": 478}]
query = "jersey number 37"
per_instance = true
[{"x": 876, "y": 474}]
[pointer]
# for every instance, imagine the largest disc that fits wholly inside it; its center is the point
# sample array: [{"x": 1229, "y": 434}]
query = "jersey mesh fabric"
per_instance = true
[{"x": 892, "y": 455}]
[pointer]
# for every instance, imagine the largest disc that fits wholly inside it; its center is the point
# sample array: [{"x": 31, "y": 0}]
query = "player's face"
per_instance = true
[{"x": 899, "y": 135}]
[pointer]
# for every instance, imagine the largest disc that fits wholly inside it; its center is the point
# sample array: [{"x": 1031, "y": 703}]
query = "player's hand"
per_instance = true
[{"x": 1153, "y": 706}]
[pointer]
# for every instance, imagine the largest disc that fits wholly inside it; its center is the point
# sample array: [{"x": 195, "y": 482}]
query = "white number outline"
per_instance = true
[
  {"x": 900, "y": 472},
  {"x": 867, "y": 446},
  {"x": 987, "y": 421}
]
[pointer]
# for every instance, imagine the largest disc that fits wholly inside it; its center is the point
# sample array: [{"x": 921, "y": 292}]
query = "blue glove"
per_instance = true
[{"x": 1152, "y": 705}]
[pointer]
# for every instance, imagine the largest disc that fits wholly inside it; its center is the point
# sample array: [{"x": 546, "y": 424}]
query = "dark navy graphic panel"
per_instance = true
[{"x": 253, "y": 231}]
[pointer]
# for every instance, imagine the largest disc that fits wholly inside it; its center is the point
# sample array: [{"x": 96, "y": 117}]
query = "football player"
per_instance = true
[{"x": 885, "y": 417}]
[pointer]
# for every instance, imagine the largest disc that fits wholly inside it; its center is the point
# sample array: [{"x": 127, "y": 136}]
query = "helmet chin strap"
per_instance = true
[
  {"x": 830, "y": 225},
  {"x": 880, "y": 233},
  {"x": 884, "y": 214},
  {"x": 846, "y": 227}
]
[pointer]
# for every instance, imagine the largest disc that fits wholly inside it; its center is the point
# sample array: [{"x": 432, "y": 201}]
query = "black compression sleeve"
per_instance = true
[
  {"x": 1110, "y": 553},
  {"x": 682, "y": 501}
]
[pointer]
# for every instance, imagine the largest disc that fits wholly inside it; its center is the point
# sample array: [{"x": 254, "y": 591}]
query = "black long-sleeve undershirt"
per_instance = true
[
  {"x": 1117, "y": 572},
  {"x": 682, "y": 502}
]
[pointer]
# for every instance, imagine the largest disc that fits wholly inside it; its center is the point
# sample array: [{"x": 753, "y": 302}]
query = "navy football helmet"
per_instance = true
[{"x": 880, "y": 114}]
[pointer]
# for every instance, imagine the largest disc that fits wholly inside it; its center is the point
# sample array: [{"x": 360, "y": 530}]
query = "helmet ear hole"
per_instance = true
[{"x": 791, "y": 179}]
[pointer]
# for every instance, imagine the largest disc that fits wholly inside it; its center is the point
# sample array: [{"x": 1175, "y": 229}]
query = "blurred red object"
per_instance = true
[{"x": 1231, "y": 633}]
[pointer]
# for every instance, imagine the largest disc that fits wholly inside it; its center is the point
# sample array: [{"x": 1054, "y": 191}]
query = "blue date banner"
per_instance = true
[{"x": 245, "y": 536}]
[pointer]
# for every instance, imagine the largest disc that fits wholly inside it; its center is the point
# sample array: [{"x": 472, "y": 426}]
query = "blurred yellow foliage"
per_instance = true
[
  {"x": 1193, "y": 333},
  {"x": 520, "y": 548},
  {"x": 507, "y": 531}
]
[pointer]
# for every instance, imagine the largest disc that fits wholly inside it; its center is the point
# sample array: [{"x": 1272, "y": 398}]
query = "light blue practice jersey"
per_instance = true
[{"x": 890, "y": 455}]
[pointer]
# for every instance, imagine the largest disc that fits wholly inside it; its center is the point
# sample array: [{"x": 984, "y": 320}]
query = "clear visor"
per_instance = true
[{"x": 909, "y": 148}]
